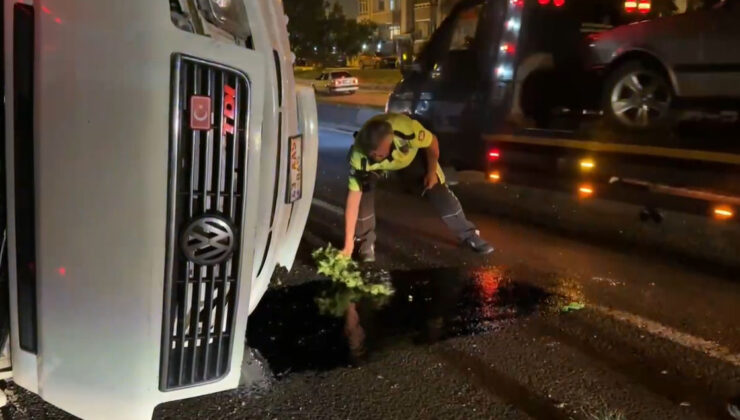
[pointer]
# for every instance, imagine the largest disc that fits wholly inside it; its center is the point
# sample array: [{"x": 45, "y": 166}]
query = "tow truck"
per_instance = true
[
  {"x": 503, "y": 85},
  {"x": 158, "y": 165}
]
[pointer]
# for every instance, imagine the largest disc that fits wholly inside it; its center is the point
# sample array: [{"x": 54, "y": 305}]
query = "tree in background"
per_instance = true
[
  {"x": 348, "y": 35},
  {"x": 321, "y": 32},
  {"x": 304, "y": 26}
]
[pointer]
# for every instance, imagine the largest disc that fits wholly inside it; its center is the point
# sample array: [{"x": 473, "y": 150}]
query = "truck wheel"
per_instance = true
[
  {"x": 638, "y": 97},
  {"x": 538, "y": 96}
]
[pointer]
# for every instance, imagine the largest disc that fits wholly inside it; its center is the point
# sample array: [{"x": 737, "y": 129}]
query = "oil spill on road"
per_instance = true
[{"x": 294, "y": 334}]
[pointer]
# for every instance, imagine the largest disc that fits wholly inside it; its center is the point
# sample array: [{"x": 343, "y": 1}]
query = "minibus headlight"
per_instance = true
[{"x": 229, "y": 15}]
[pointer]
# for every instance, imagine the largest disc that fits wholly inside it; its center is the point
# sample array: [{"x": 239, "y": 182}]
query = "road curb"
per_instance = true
[{"x": 363, "y": 86}]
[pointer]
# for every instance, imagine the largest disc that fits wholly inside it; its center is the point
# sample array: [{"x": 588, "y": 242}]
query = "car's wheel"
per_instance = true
[{"x": 638, "y": 97}]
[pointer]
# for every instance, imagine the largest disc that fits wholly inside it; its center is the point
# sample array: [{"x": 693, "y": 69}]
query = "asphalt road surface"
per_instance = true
[
  {"x": 363, "y": 97},
  {"x": 548, "y": 327}
]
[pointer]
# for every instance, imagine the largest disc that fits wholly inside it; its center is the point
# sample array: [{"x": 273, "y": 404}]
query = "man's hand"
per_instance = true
[
  {"x": 348, "y": 250},
  {"x": 430, "y": 180},
  {"x": 351, "y": 211},
  {"x": 432, "y": 155}
]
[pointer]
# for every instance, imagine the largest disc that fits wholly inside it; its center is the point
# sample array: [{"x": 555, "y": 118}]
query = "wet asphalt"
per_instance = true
[{"x": 548, "y": 327}]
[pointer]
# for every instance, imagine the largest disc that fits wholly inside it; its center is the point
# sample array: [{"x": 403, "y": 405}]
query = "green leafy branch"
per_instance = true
[{"x": 342, "y": 269}]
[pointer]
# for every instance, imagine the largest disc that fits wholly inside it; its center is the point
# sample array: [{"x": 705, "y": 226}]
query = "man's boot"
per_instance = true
[
  {"x": 366, "y": 254},
  {"x": 452, "y": 214},
  {"x": 478, "y": 244}
]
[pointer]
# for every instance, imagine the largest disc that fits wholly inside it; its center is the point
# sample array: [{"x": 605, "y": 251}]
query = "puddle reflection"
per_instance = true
[{"x": 321, "y": 326}]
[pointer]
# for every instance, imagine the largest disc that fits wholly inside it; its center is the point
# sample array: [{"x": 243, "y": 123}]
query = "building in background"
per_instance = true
[
  {"x": 403, "y": 22},
  {"x": 406, "y": 25},
  {"x": 384, "y": 13},
  {"x": 349, "y": 7}
]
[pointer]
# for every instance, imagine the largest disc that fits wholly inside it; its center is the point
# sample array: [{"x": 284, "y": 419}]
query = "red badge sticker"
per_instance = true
[{"x": 200, "y": 112}]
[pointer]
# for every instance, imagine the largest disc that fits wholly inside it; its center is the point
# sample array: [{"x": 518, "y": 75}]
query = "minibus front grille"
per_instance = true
[{"x": 205, "y": 217}]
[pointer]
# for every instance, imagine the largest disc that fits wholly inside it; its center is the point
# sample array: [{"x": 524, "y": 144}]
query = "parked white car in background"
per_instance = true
[{"x": 334, "y": 82}]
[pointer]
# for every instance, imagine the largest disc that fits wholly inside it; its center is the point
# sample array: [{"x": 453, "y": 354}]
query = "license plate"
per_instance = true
[{"x": 295, "y": 169}]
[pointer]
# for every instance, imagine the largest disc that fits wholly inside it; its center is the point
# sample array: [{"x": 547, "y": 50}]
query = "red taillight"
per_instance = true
[
  {"x": 494, "y": 154},
  {"x": 508, "y": 48},
  {"x": 644, "y": 6},
  {"x": 558, "y": 3},
  {"x": 630, "y": 6},
  {"x": 543, "y": 2},
  {"x": 518, "y": 3}
]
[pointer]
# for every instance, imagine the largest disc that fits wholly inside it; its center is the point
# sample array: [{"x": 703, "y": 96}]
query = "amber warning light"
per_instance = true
[
  {"x": 587, "y": 165},
  {"x": 723, "y": 213},
  {"x": 585, "y": 190}
]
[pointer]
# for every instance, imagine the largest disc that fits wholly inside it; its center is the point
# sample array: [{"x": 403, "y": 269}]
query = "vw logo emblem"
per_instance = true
[{"x": 208, "y": 240}]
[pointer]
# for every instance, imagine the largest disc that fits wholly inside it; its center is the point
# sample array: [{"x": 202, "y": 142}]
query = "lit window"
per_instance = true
[
  {"x": 363, "y": 7},
  {"x": 465, "y": 29},
  {"x": 423, "y": 29}
]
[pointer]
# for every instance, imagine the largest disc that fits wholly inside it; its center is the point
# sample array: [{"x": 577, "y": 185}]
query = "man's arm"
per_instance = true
[
  {"x": 424, "y": 139},
  {"x": 432, "y": 154},
  {"x": 351, "y": 210}
]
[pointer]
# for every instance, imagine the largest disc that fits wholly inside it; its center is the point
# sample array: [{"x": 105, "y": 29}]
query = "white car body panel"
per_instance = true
[
  {"x": 102, "y": 139},
  {"x": 279, "y": 220}
]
